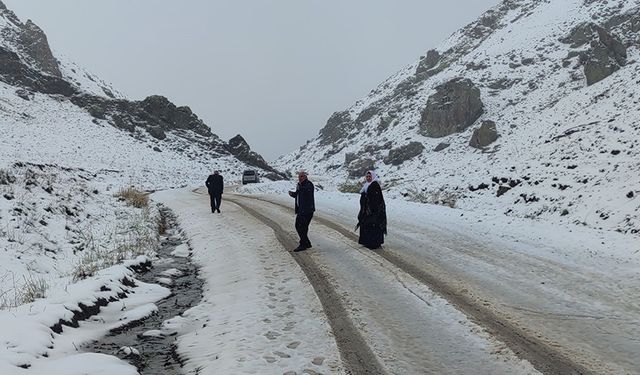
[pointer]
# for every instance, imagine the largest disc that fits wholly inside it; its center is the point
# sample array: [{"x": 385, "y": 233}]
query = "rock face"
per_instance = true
[
  {"x": 627, "y": 25},
  {"x": 16, "y": 73},
  {"x": 455, "y": 106},
  {"x": 605, "y": 55},
  {"x": 34, "y": 45},
  {"x": 401, "y": 154},
  {"x": 428, "y": 62},
  {"x": 337, "y": 127},
  {"x": 169, "y": 117},
  {"x": 358, "y": 167},
  {"x": 156, "y": 114},
  {"x": 239, "y": 147},
  {"x": 8, "y": 13},
  {"x": 484, "y": 135}
]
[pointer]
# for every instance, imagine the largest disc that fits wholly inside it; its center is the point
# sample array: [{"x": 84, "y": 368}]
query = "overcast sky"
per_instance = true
[{"x": 271, "y": 70}]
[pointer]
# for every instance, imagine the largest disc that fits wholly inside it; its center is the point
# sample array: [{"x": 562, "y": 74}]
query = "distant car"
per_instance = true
[{"x": 250, "y": 176}]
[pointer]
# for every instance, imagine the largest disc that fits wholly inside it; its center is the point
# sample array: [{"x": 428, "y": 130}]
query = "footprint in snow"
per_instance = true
[{"x": 294, "y": 345}]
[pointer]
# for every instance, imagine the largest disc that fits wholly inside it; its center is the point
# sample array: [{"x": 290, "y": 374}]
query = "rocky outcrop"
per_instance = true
[
  {"x": 605, "y": 55},
  {"x": 24, "y": 94},
  {"x": 158, "y": 109},
  {"x": 337, "y": 128},
  {"x": 368, "y": 113},
  {"x": 485, "y": 135},
  {"x": 27, "y": 63},
  {"x": 358, "y": 167},
  {"x": 441, "y": 146},
  {"x": 401, "y": 154},
  {"x": 16, "y": 73},
  {"x": 455, "y": 106},
  {"x": 34, "y": 46},
  {"x": 626, "y": 25},
  {"x": 239, "y": 148},
  {"x": 428, "y": 62},
  {"x": 8, "y": 14},
  {"x": 156, "y": 114}
]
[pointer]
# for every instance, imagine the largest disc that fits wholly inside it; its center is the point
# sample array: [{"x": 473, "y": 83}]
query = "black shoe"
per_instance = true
[
  {"x": 218, "y": 210},
  {"x": 300, "y": 248}
]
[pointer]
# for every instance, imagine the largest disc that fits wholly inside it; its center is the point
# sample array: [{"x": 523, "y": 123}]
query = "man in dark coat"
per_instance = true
[
  {"x": 215, "y": 185},
  {"x": 305, "y": 207}
]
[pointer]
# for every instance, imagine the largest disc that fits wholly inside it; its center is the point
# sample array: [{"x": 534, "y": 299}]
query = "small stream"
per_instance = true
[{"x": 157, "y": 354}]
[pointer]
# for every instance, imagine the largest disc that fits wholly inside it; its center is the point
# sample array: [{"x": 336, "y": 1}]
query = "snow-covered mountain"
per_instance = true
[
  {"x": 54, "y": 112},
  {"x": 531, "y": 110},
  {"x": 71, "y": 147}
]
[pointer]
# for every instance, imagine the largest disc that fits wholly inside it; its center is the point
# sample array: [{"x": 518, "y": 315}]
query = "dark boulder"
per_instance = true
[
  {"x": 24, "y": 94},
  {"x": 455, "y": 106},
  {"x": 484, "y": 135},
  {"x": 604, "y": 55},
  {"x": 428, "y": 62},
  {"x": 156, "y": 132},
  {"x": 401, "y": 154},
  {"x": 441, "y": 146}
]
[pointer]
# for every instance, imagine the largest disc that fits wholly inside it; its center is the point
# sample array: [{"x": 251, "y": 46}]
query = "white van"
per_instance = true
[{"x": 249, "y": 176}]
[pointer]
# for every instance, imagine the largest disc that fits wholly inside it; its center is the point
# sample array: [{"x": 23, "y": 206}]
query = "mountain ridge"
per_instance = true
[{"x": 29, "y": 66}]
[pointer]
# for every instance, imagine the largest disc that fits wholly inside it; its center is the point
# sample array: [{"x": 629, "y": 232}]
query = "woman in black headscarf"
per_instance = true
[{"x": 372, "y": 218}]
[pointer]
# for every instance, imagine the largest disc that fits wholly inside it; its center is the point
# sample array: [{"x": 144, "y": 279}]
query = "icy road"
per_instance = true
[{"x": 434, "y": 300}]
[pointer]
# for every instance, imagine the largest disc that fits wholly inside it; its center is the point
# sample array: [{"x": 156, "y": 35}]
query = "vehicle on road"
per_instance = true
[{"x": 250, "y": 176}]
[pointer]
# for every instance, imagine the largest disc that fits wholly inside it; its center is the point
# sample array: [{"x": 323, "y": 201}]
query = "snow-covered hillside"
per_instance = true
[
  {"x": 532, "y": 110},
  {"x": 76, "y": 158},
  {"x": 54, "y": 112}
]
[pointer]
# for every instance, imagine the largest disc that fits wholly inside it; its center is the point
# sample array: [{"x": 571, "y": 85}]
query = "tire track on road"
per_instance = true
[
  {"x": 544, "y": 357},
  {"x": 357, "y": 356}
]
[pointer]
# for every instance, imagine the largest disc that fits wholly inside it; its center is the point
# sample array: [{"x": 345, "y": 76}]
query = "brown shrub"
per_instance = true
[{"x": 133, "y": 197}]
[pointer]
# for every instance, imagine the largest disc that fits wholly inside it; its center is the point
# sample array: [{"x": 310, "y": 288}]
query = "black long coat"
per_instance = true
[
  {"x": 215, "y": 184},
  {"x": 305, "y": 202},
  {"x": 372, "y": 217}
]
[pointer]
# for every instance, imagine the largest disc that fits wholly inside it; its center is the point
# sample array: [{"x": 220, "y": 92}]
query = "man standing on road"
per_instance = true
[
  {"x": 305, "y": 206},
  {"x": 215, "y": 185}
]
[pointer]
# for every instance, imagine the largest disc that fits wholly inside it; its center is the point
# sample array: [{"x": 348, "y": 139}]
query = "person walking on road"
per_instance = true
[
  {"x": 372, "y": 218},
  {"x": 215, "y": 185},
  {"x": 305, "y": 207}
]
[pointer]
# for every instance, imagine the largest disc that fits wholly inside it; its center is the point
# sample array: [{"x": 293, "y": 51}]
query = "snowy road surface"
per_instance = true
[{"x": 434, "y": 300}]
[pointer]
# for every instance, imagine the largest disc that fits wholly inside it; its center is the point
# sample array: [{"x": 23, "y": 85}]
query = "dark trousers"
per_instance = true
[
  {"x": 216, "y": 198},
  {"x": 302, "y": 227}
]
